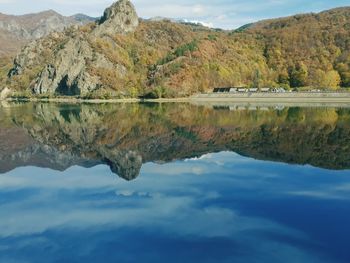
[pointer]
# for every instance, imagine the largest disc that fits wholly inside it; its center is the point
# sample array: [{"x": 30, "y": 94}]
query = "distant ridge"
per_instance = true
[
  {"x": 84, "y": 18},
  {"x": 15, "y": 31}
]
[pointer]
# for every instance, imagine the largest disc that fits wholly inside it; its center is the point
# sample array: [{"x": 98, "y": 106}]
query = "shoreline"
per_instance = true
[
  {"x": 96, "y": 101},
  {"x": 212, "y": 98}
]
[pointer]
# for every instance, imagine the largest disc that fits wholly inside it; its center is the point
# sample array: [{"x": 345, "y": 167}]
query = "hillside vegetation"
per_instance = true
[
  {"x": 311, "y": 49},
  {"x": 167, "y": 59}
]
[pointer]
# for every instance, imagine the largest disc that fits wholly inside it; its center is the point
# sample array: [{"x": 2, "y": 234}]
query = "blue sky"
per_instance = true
[{"x": 221, "y": 13}]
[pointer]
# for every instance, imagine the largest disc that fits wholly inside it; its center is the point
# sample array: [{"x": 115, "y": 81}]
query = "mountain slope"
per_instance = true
[
  {"x": 122, "y": 56},
  {"x": 319, "y": 41},
  {"x": 18, "y": 30}
]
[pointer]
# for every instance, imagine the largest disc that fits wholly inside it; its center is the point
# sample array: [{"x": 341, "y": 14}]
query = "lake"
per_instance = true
[{"x": 174, "y": 182}]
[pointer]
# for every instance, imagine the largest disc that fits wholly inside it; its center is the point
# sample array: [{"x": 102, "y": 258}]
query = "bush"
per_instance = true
[
  {"x": 212, "y": 37},
  {"x": 134, "y": 92},
  {"x": 98, "y": 95},
  {"x": 159, "y": 93},
  {"x": 179, "y": 52},
  {"x": 22, "y": 95}
]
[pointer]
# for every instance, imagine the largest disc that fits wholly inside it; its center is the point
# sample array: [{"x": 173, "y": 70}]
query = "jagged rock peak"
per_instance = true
[{"x": 120, "y": 17}]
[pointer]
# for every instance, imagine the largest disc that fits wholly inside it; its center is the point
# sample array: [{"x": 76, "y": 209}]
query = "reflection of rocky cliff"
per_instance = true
[{"x": 126, "y": 135}]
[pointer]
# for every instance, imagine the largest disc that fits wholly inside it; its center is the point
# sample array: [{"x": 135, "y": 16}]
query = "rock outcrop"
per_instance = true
[
  {"x": 68, "y": 74},
  {"x": 120, "y": 18}
]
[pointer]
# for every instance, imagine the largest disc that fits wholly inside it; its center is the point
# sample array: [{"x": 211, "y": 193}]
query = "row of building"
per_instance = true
[{"x": 244, "y": 90}]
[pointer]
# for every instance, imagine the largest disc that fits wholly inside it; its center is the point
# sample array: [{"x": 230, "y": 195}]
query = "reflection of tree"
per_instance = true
[
  {"x": 126, "y": 135},
  {"x": 296, "y": 115}
]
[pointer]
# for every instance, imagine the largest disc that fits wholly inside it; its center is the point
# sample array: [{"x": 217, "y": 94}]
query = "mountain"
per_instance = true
[
  {"x": 83, "y": 18},
  {"x": 123, "y": 56},
  {"x": 15, "y": 31}
]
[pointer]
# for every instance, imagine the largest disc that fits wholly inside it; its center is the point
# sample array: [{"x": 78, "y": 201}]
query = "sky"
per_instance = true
[{"x": 228, "y": 14}]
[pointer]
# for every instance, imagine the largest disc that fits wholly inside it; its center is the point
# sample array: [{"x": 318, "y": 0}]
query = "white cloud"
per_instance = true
[{"x": 210, "y": 25}]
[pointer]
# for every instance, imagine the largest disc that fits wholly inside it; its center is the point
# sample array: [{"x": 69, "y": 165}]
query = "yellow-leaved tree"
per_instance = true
[{"x": 332, "y": 79}]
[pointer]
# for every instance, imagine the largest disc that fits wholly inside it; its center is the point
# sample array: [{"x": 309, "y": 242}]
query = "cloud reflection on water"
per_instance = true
[{"x": 169, "y": 202}]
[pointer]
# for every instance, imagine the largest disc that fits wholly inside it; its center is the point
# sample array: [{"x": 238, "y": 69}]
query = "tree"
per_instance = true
[
  {"x": 332, "y": 79},
  {"x": 344, "y": 72},
  {"x": 133, "y": 92},
  {"x": 257, "y": 79},
  {"x": 298, "y": 75},
  {"x": 283, "y": 78},
  {"x": 317, "y": 78}
]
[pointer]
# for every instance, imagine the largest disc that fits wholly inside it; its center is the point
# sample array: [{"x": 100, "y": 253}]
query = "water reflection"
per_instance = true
[
  {"x": 126, "y": 135},
  {"x": 195, "y": 201},
  {"x": 214, "y": 209}
]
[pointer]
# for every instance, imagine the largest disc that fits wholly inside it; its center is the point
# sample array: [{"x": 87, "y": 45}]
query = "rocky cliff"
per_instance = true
[
  {"x": 121, "y": 18},
  {"x": 68, "y": 72}
]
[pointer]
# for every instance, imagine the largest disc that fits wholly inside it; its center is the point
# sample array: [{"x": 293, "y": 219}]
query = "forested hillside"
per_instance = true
[
  {"x": 167, "y": 59},
  {"x": 311, "y": 49}
]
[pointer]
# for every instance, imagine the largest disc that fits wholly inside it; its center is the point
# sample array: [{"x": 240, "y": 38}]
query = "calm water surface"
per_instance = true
[{"x": 173, "y": 183}]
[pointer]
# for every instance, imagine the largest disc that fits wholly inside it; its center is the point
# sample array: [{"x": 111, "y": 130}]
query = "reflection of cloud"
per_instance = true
[
  {"x": 172, "y": 202},
  {"x": 316, "y": 194},
  {"x": 32, "y": 177},
  {"x": 185, "y": 206},
  {"x": 176, "y": 214},
  {"x": 125, "y": 193},
  {"x": 328, "y": 192},
  {"x": 176, "y": 169}
]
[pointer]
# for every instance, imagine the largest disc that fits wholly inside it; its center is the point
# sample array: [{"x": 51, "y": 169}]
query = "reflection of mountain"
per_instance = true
[{"x": 126, "y": 135}]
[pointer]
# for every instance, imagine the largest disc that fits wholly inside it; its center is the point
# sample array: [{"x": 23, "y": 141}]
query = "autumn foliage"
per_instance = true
[{"x": 169, "y": 59}]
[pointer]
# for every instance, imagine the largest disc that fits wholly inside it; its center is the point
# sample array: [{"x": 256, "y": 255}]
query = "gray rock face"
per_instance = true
[
  {"x": 121, "y": 18},
  {"x": 24, "y": 59},
  {"x": 65, "y": 75},
  {"x": 68, "y": 74}
]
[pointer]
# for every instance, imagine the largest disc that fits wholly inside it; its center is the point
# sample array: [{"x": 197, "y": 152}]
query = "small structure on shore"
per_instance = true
[
  {"x": 230, "y": 89},
  {"x": 222, "y": 90},
  {"x": 240, "y": 90},
  {"x": 264, "y": 89}
]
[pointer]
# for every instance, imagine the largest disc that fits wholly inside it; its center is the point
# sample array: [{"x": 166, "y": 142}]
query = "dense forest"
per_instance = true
[
  {"x": 308, "y": 50},
  {"x": 167, "y": 59}
]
